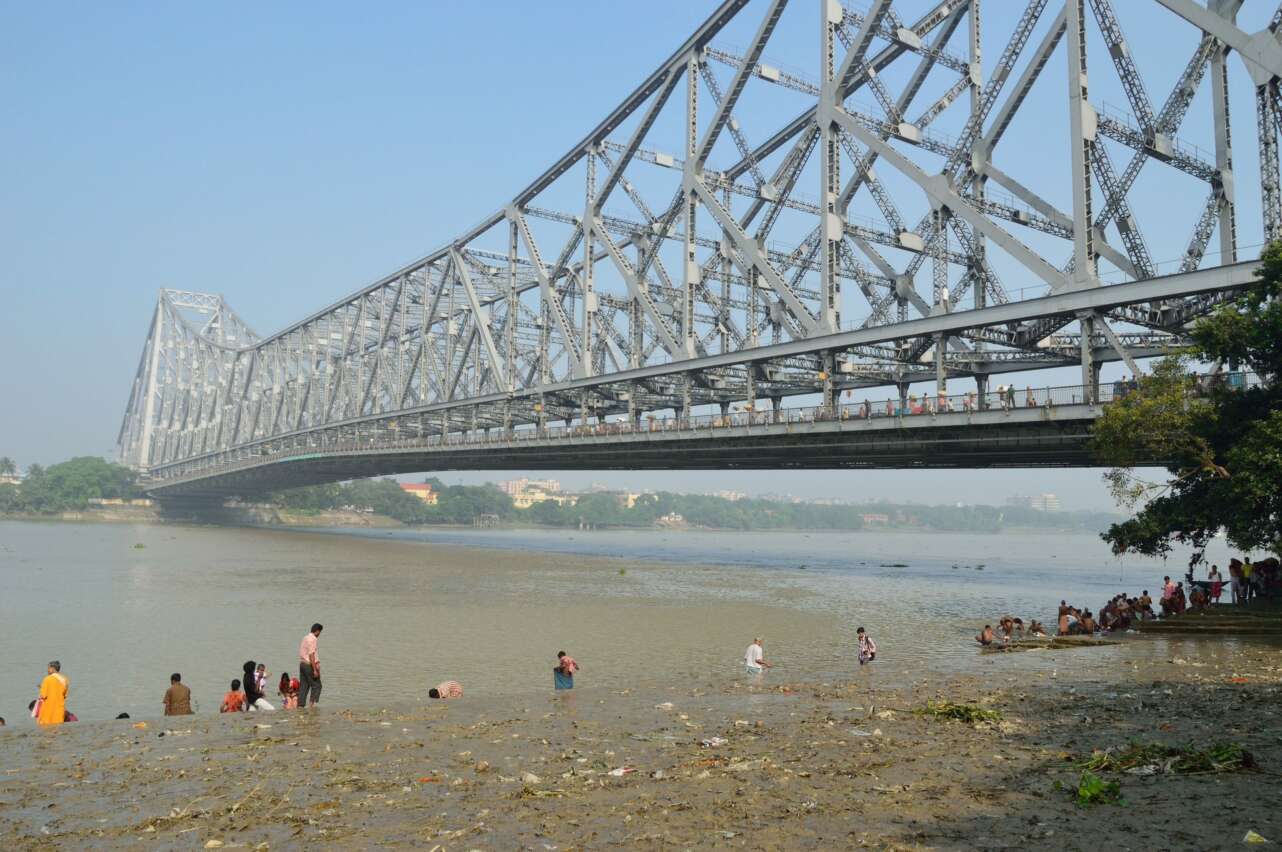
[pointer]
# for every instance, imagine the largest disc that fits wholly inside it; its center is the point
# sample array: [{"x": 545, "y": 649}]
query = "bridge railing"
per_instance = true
[{"x": 383, "y": 435}]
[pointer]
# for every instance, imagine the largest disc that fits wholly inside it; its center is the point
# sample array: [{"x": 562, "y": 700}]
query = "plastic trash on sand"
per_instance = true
[
  {"x": 713, "y": 742},
  {"x": 1255, "y": 839},
  {"x": 621, "y": 771}
]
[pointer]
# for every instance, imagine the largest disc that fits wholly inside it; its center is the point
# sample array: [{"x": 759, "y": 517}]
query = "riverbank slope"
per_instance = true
[{"x": 795, "y": 765}]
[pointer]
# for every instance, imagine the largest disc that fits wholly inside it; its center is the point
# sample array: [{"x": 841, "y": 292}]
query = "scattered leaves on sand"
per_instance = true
[
  {"x": 1094, "y": 790},
  {"x": 969, "y": 713},
  {"x": 1155, "y": 758}
]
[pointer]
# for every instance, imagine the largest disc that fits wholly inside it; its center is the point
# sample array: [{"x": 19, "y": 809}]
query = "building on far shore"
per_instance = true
[
  {"x": 1036, "y": 502},
  {"x": 526, "y": 492},
  {"x": 422, "y": 491},
  {"x": 876, "y": 519},
  {"x": 512, "y": 487},
  {"x": 120, "y": 501}
]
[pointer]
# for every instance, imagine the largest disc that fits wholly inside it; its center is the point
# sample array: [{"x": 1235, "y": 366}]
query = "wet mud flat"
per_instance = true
[{"x": 728, "y": 765}]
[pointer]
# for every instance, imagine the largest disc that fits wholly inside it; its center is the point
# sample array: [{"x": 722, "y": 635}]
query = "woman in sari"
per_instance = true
[{"x": 52, "y": 709}]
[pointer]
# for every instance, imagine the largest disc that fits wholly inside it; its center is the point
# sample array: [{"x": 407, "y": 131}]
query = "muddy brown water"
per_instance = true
[{"x": 640, "y": 611}]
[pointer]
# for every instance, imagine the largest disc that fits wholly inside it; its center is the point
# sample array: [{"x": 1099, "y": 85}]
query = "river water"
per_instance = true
[{"x": 123, "y": 606}]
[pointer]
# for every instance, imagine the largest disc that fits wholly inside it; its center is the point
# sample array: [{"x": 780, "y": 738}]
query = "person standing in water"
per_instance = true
[
  {"x": 867, "y": 647},
  {"x": 753, "y": 659},
  {"x": 563, "y": 674},
  {"x": 53, "y": 696},
  {"x": 309, "y": 674},
  {"x": 867, "y": 654}
]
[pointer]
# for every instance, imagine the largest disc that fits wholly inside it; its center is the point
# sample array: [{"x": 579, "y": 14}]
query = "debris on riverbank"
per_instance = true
[{"x": 797, "y": 765}]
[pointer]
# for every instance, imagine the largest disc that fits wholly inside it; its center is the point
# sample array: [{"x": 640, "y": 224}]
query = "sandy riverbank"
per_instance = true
[{"x": 803, "y": 766}]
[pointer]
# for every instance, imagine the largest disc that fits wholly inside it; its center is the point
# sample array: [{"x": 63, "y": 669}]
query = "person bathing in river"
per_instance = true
[
  {"x": 867, "y": 647},
  {"x": 1012, "y": 628},
  {"x": 288, "y": 690},
  {"x": 1035, "y": 628},
  {"x": 1168, "y": 596},
  {"x": 753, "y": 658},
  {"x": 985, "y": 636},
  {"x": 1235, "y": 581},
  {"x": 234, "y": 700},
  {"x": 52, "y": 707},
  {"x": 446, "y": 689},
  {"x": 563, "y": 674},
  {"x": 1217, "y": 583},
  {"x": 1197, "y": 600},
  {"x": 1088, "y": 626},
  {"x": 254, "y": 699}
]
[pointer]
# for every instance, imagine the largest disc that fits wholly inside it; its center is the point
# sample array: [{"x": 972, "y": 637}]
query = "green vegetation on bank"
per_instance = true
[
  {"x": 70, "y": 485},
  {"x": 1223, "y": 445},
  {"x": 463, "y": 504},
  {"x": 65, "y": 487},
  {"x": 457, "y": 504}
]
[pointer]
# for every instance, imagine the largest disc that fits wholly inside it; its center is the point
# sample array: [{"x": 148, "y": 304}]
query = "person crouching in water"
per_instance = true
[
  {"x": 985, "y": 636},
  {"x": 447, "y": 689},
  {"x": 288, "y": 690}
]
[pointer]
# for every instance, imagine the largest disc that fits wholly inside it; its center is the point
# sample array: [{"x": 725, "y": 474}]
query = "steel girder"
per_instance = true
[{"x": 664, "y": 263}]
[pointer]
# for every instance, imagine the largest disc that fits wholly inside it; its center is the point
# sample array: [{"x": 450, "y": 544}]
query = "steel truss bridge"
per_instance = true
[{"x": 736, "y": 237}]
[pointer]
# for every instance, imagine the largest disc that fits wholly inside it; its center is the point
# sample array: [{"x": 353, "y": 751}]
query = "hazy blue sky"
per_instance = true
[{"x": 285, "y": 154}]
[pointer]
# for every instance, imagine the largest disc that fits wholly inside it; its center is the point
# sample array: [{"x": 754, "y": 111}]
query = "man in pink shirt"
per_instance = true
[{"x": 309, "y": 674}]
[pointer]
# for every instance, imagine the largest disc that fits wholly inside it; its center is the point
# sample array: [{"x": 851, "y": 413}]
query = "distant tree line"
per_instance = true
[
  {"x": 66, "y": 486},
  {"x": 70, "y": 485},
  {"x": 462, "y": 504},
  {"x": 456, "y": 504}
]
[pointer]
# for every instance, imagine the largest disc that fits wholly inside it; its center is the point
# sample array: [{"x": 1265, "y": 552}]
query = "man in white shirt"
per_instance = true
[{"x": 753, "y": 659}]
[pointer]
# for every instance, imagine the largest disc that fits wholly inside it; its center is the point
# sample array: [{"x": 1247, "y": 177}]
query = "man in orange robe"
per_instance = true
[{"x": 53, "y": 696}]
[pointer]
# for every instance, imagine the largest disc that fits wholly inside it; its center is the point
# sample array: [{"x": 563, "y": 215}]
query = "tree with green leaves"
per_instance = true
[
  {"x": 71, "y": 484},
  {"x": 1219, "y": 440},
  {"x": 7, "y": 466}
]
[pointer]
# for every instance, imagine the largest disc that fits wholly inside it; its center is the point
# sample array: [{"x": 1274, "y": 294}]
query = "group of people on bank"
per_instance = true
[
  {"x": 1009, "y": 629},
  {"x": 248, "y": 693},
  {"x": 1247, "y": 581}
]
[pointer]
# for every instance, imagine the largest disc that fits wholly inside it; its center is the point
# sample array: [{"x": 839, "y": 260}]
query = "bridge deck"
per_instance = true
[{"x": 1043, "y": 436}]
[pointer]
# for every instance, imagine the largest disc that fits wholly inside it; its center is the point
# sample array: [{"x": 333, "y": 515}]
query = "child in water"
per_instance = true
[
  {"x": 260, "y": 678},
  {"x": 234, "y": 701},
  {"x": 288, "y": 689}
]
